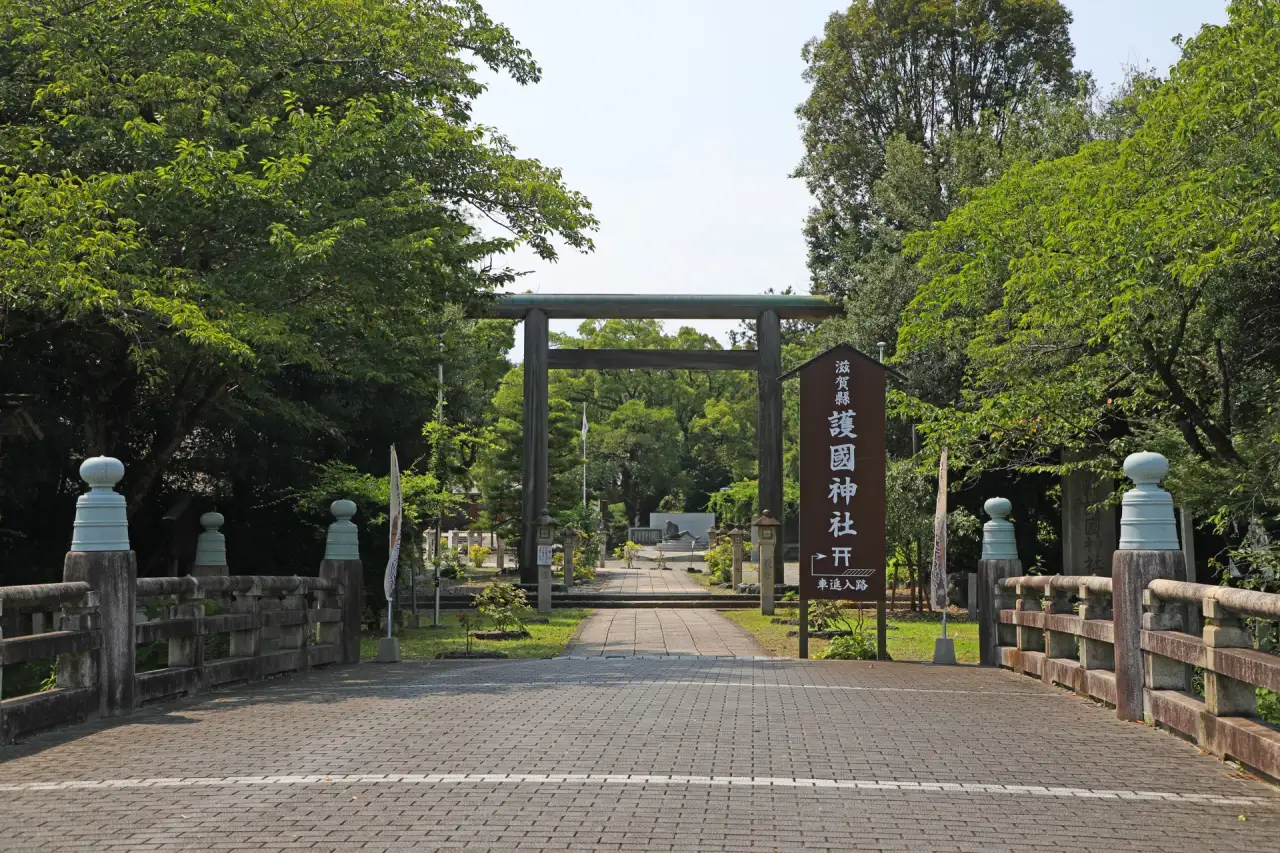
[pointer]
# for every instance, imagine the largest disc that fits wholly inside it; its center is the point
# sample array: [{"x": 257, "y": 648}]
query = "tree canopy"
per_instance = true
[
  {"x": 927, "y": 73},
  {"x": 1124, "y": 297},
  {"x": 243, "y": 223}
]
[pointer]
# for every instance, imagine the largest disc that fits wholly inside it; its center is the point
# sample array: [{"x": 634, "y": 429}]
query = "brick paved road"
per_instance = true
[
  {"x": 614, "y": 632},
  {"x": 631, "y": 754}
]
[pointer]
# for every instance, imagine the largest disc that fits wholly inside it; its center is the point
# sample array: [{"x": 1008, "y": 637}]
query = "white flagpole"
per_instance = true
[{"x": 584, "y": 457}]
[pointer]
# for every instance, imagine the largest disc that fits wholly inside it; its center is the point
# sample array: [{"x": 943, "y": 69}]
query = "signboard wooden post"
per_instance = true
[{"x": 842, "y": 481}]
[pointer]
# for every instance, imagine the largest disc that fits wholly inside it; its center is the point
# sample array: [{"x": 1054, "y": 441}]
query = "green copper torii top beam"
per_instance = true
[{"x": 636, "y": 306}]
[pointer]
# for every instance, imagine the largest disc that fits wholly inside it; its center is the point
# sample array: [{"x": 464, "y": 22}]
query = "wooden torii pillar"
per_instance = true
[{"x": 537, "y": 310}]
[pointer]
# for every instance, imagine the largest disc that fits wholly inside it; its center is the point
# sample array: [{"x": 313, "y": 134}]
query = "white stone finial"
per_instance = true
[
  {"x": 1146, "y": 468},
  {"x": 998, "y": 542},
  {"x": 998, "y": 508},
  {"x": 1146, "y": 513},
  {"x": 342, "y": 543},
  {"x": 101, "y": 522},
  {"x": 211, "y": 547}
]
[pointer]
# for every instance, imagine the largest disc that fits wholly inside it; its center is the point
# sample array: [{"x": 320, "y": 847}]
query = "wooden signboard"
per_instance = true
[{"x": 842, "y": 470}]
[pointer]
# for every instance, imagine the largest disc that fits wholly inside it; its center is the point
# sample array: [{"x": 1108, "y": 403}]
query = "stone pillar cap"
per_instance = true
[
  {"x": 998, "y": 541},
  {"x": 211, "y": 546},
  {"x": 998, "y": 507},
  {"x": 1146, "y": 511},
  {"x": 343, "y": 541},
  {"x": 1146, "y": 468},
  {"x": 101, "y": 522}
]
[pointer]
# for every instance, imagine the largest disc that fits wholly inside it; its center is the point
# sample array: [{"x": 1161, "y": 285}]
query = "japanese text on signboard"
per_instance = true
[{"x": 842, "y": 476}]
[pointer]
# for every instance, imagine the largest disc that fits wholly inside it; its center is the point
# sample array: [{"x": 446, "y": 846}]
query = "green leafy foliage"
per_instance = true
[
  {"x": 1096, "y": 302},
  {"x": 903, "y": 79},
  {"x": 720, "y": 561},
  {"x": 627, "y": 552},
  {"x": 238, "y": 236},
  {"x": 856, "y": 646},
  {"x": 505, "y": 605},
  {"x": 478, "y": 554},
  {"x": 739, "y": 502},
  {"x": 855, "y": 642}
]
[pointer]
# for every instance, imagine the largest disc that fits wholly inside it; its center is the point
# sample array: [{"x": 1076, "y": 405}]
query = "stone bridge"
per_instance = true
[{"x": 645, "y": 753}]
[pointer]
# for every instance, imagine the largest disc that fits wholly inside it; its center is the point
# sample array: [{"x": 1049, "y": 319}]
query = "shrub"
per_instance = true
[
  {"x": 504, "y": 605},
  {"x": 827, "y": 615},
  {"x": 627, "y": 552},
  {"x": 856, "y": 646},
  {"x": 479, "y": 554},
  {"x": 720, "y": 561},
  {"x": 584, "y": 565}
]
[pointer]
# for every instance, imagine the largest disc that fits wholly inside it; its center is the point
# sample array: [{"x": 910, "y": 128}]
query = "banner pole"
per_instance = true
[
  {"x": 882, "y": 631},
  {"x": 804, "y": 623}
]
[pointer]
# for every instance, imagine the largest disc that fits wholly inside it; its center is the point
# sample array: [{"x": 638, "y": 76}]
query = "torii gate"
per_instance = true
[{"x": 537, "y": 309}]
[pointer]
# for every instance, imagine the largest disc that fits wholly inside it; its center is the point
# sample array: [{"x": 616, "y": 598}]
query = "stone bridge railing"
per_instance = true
[
  {"x": 1133, "y": 640},
  {"x": 213, "y": 629}
]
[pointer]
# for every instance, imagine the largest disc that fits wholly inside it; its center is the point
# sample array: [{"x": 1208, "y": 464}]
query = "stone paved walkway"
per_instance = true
[
  {"x": 613, "y": 633},
  {"x": 682, "y": 754},
  {"x": 617, "y": 579}
]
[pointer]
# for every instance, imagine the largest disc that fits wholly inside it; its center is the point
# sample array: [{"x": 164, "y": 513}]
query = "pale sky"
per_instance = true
[{"x": 676, "y": 119}]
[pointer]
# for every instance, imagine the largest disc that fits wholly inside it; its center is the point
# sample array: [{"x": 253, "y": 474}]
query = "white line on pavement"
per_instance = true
[
  {"x": 970, "y": 788},
  {"x": 301, "y": 691}
]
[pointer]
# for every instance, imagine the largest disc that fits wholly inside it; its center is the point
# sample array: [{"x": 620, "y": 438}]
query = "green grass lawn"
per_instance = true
[
  {"x": 909, "y": 638},
  {"x": 548, "y": 640}
]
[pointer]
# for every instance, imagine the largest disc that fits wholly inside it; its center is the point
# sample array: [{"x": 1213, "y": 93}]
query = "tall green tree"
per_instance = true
[
  {"x": 232, "y": 218},
  {"x": 1124, "y": 297},
  {"x": 922, "y": 71}
]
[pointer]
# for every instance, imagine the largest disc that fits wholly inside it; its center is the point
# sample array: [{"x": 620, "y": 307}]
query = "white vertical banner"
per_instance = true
[
  {"x": 396, "y": 514},
  {"x": 938, "y": 569}
]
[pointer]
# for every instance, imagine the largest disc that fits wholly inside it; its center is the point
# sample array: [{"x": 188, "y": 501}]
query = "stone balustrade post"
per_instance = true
[
  {"x": 80, "y": 669},
  {"x": 269, "y": 636},
  {"x": 1158, "y": 671},
  {"x": 1029, "y": 639},
  {"x": 999, "y": 560},
  {"x": 1148, "y": 550},
  {"x": 294, "y": 637},
  {"x": 342, "y": 563},
  {"x": 188, "y": 651},
  {"x": 100, "y": 555},
  {"x": 1095, "y": 654},
  {"x": 1225, "y": 696},
  {"x": 1058, "y": 644},
  {"x": 211, "y": 548},
  {"x": 247, "y": 642}
]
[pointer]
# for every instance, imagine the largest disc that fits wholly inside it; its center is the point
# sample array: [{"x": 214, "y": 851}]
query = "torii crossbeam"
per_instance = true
[{"x": 535, "y": 310}]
